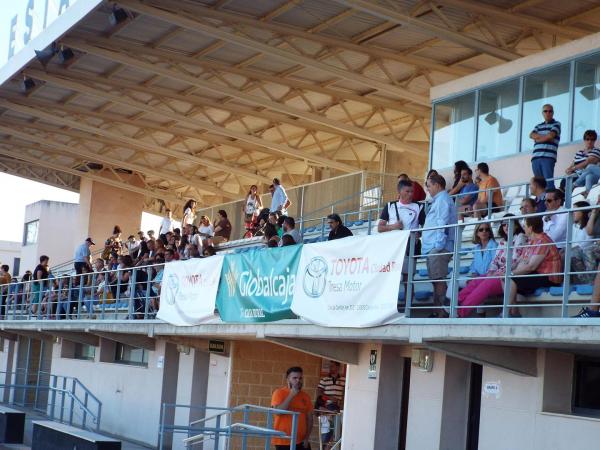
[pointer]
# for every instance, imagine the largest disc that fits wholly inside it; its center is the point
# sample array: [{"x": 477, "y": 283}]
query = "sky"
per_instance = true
[{"x": 20, "y": 192}]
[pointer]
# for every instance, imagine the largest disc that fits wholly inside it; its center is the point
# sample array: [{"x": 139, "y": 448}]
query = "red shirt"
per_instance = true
[
  {"x": 552, "y": 262},
  {"x": 418, "y": 193}
]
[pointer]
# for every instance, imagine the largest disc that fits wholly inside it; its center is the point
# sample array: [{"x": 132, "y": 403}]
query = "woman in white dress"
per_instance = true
[{"x": 189, "y": 213}]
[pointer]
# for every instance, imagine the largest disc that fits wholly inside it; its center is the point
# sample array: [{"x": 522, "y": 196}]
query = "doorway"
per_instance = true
[
  {"x": 34, "y": 360},
  {"x": 404, "y": 395},
  {"x": 474, "y": 407}
]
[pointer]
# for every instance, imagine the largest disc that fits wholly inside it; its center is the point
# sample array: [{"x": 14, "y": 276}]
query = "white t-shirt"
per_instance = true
[
  {"x": 188, "y": 217},
  {"x": 206, "y": 229},
  {"x": 250, "y": 205},
  {"x": 165, "y": 226},
  {"x": 407, "y": 213},
  {"x": 580, "y": 238}
]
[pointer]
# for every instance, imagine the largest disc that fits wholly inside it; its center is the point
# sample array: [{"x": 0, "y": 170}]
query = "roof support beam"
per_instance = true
[
  {"x": 132, "y": 142},
  {"x": 253, "y": 74},
  {"x": 515, "y": 18},
  {"x": 289, "y": 30},
  {"x": 46, "y": 144},
  {"x": 119, "y": 99},
  {"x": 425, "y": 27},
  {"x": 293, "y": 58},
  {"x": 36, "y": 161},
  {"x": 335, "y": 125}
]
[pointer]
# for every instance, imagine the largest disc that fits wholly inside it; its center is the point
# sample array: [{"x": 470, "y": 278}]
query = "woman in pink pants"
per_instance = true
[{"x": 478, "y": 290}]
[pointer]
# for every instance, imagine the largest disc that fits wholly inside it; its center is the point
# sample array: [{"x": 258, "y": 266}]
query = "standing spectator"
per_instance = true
[
  {"x": 585, "y": 163},
  {"x": 252, "y": 204},
  {"x": 467, "y": 194},
  {"x": 280, "y": 201},
  {"x": 289, "y": 229},
  {"x": 555, "y": 225},
  {"x": 438, "y": 244},
  {"x": 133, "y": 246},
  {"x": 333, "y": 385},
  {"x": 166, "y": 226},
  {"x": 189, "y": 213},
  {"x": 293, "y": 398},
  {"x": 222, "y": 228},
  {"x": 402, "y": 214},
  {"x": 479, "y": 289},
  {"x": 488, "y": 186},
  {"x": 484, "y": 250},
  {"x": 546, "y": 137},
  {"x": 113, "y": 244},
  {"x": 540, "y": 257},
  {"x": 38, "y": 286},
  {"x": 419, "y": 193},
  {"x": 5, "y": 280},
  {"x": 537, "y": 187},
  {"x": 83, "y": 256},
  {"x": 337, "y": 230}
]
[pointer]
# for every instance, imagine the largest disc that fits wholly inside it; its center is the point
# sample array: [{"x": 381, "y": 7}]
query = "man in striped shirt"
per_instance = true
[
  {"x": 546, "y": 137},
  {"x": 333, "y": 386}
]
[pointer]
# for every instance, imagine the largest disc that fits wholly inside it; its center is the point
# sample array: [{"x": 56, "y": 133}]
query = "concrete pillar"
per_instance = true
[
  {"x": 169, "y": 389},
  {"x": 101, "y": 207}
]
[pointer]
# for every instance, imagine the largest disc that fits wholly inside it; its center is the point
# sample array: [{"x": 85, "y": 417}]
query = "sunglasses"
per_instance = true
[
  {"x": 483, "y": 230},
  {"x": 548, "y": 111}
]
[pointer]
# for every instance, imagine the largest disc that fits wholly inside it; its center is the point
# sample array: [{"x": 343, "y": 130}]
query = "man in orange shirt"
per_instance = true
[
  {"x": 486, "y": 188},
  {"x": 293, "y": 398}
]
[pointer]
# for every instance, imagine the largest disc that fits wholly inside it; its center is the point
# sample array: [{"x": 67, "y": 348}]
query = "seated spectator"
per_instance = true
[
  {"x": 280, "y": 221},
  {"x": 488, "y": 186},
  {"x": 586, "y": 164},
  {"x": 209, "y": 251},
  {"x": 459, "y": 166},
  {"x": 480, "y": 289},
  {"x": 151, "y": 235},
  {"x": 156, "y": 286},
  {"x": 222, "y": 229},
  {"x": 287, "y": 239},
  {"x": 132, "y": 245},
  {"x": 337, "y": 230},
  {"x": 537, "y": 188},
  {"x": 528, "y": 206},
  {"x": 467, "y": 193},
  {"x": 581, "y": 246},
  {"x": 540, "y": 257},
  {"x": 289, "y": 229},
  {"x": 594, "y": 309},
  {"x": 273, "y": 242},
  {"x": 419, "y": 194},
  {"x": 555, "y": 225},
  {"x": 484, "y": 251}
]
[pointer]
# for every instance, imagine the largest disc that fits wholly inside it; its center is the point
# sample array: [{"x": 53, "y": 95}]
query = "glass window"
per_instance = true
[
  {"x": 126, "y": 354},
  {"x": 454, "y": 131},
  {"x": 84, "y": 351},
  {"x": 587, "y": 377},
  {"x": 587, "y": 96},
  {"x": 31, "y": 232},
  {"x": 547, "y": 86},
  {"x": 498, "y": 121}
]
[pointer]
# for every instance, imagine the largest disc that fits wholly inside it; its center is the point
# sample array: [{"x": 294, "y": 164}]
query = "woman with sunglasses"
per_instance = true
[
  {"x": 479, "y": 289},
  {"x": 484, "y": 250}
]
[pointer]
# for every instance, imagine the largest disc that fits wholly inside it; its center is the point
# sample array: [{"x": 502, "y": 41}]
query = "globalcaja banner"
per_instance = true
[
  {"x": 258, "y": 286},
  {"x": 189, "y": 290},
  {"x": 351, "y": 282}
]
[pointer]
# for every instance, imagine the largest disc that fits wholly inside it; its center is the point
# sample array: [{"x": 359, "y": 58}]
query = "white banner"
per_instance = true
[
  {"x": 351, "y": 282},
  {"x": 189, "y": 290}
]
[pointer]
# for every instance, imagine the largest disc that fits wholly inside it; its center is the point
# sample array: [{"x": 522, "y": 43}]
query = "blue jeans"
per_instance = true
[
  {"x": 589, "y": 177},
  {"x": 544, "y": 167}
]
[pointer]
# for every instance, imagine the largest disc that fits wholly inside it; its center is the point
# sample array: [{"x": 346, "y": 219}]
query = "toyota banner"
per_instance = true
[{"x": 351, "y": 282}]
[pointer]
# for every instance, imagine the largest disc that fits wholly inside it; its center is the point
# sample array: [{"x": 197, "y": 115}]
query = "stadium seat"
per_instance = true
[{"x": 583, "y": 289}]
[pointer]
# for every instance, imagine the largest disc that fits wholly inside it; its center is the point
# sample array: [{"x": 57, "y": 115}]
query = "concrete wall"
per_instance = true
[
  {"x": 56, "y": 232},
  {"x": 103, "y": 206},
  {"x": 10, "y": 250}
]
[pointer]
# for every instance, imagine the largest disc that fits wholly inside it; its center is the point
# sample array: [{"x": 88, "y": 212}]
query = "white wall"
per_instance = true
[
  {"x": 56, "y": 232},
  {"x": 10, "y": 250},
  {"x": 130, "y": 395},
  {"x": 360, "y": 402}
]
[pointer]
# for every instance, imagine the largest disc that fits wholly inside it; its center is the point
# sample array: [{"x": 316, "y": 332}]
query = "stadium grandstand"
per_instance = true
[{"x": 379, "y": 224}]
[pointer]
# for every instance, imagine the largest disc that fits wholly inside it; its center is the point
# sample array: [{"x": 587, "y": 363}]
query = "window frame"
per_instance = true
[
  {"x": 25, "y": 232},
  {"x": 120, "y": 349}
]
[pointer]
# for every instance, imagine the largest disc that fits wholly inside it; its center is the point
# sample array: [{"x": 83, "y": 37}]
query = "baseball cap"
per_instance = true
[{"x": 90, "y": 241}]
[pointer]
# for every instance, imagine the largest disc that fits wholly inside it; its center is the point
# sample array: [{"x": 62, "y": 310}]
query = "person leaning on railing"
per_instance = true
[
  {"x": 540, "y": 257},
  {"x": 479, "y": 289}
]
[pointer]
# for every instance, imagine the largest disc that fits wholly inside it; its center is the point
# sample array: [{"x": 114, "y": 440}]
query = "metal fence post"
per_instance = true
[
  {"x": 567, "y": 268},
  {"x": 244, "y": 437},
  {"x": 412, "y": 262},
  {"x": 455, "y": 269},
  {"x": 508, "y": 271}
]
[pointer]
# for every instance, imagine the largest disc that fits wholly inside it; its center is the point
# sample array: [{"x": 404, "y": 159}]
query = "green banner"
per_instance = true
[{"x": 258, "y": 286}]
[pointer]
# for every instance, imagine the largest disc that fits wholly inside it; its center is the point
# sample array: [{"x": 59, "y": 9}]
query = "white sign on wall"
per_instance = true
[
  {"x": 29, "y": 25},
  {"x": 492, "y": 389}
]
